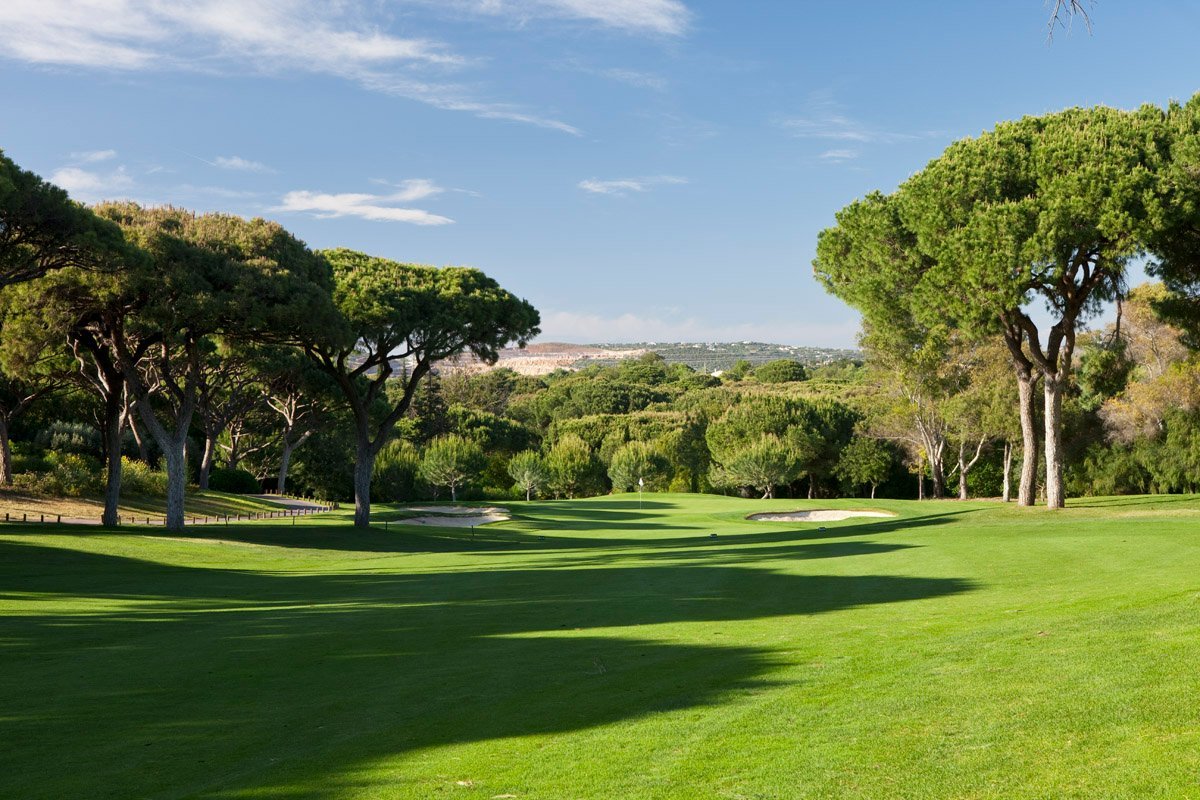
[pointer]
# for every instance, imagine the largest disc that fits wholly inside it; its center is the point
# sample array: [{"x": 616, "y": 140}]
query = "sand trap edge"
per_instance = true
[{"x": 816, "y": 515}]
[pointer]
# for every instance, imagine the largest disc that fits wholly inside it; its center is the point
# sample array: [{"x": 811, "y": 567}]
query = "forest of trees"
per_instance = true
[{"x": 155, "y": 350}]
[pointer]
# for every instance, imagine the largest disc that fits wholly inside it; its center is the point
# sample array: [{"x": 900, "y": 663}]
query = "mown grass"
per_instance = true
[{"x": 590, "y": 649}]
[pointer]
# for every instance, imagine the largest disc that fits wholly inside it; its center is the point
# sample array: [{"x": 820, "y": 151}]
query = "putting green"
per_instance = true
[{"x": 589, "y": 649}]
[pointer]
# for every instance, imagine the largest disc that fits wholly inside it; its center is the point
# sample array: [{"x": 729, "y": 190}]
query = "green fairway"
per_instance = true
[{"x": 595, "y": 649}]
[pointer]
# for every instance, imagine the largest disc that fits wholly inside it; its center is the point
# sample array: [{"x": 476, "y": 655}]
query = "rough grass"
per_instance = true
[{"x": 590, "y": 649}]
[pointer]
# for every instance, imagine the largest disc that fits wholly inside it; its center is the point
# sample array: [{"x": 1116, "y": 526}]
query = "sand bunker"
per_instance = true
[
  {"x": 826, "y": 515},
  {"x": 458, "y": 516}
]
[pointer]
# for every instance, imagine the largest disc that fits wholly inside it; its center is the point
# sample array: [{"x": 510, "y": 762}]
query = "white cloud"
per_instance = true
[
  {"x": 579, "y": 327},
  {"x": 662, "y": 17},
  {"x": 376, "y": 207},
  {"x": 625, "y": 185},
  {"x": 92, "y": 156},
  {"x": 240, "y": 164},
  {"x": 132, "y": 34},
  {"x": 837, "y": 156},
  {"x": 233, "y": 36},
  {"x": 91, "y": 187}
]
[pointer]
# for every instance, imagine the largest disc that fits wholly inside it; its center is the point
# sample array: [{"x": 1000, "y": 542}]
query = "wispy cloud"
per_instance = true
[
  {"x": 658, "y": 17},
  {"x": 241, "y": 164},
  {"x": 375, "y": 207},
  {"x": 629, "y": 77},
  {"x": 89, "y": 186},
  {"x": 824, "y": 118},
  {"x": 279, "y": 37},
  {"x": 625, "y": 185},
  {"x": 838, "y": 156},
  {"x": 581, "y": 327},
  {"x": 633, "y": 77},
  {"x": 411, "y": 189},
  {"x": 93, "y": 156}
]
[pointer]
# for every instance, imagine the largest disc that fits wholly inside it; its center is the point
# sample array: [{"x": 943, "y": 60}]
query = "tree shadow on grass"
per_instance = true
[
  {"x": 525, "y": 534},
  {"x": 129, "y": 678},
  {"x": 1135, "y": 500}
]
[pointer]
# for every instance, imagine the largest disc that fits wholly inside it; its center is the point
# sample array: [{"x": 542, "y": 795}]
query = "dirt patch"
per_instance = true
[{"x": 818, "y": 515}]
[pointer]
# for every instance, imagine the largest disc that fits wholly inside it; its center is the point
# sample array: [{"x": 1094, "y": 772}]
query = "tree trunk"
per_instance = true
[
  {"x": 453, "y": 493},
  {"x": 937, "y": 472},
  {"x": 176, "y": 483},
  {"x": 364, "y": 465},
  {"x": 1029, "y": 441},
  {"x": 206, "y": 460},
  {"x": 1008, "y": 453},
  {"x": 873, "y": 490},
  {"x": 6, "y": 473},
  {"x": 234, "y": 459},
  {"x": 962, "y": 472},
  {"x": 1055, "y": 496},
  {"x": 528, "y": 494},
  {"x": 6, "y": 469},
  {"x": 920, "y": 478},
  {"x": 812, "y": 485},
  {"x": 285, "y": 460},
  {"x": 114, "y": 413},
  {"x": 138, "y": 438}
]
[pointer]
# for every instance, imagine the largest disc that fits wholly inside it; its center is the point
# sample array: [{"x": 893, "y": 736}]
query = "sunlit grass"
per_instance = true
[{"x": 592, "y": 649}]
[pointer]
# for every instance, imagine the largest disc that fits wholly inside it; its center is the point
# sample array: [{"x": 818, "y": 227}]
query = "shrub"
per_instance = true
[
  {"x": 77, "y": 475},
  {"x": 235, "y": 481},
  {"x": 37, "y": 483},
  {"x": 783, "y": 370},
  {"x": 138, "y": 478},
  {"x": 25, "y": 459},
  {"x": 70, "y": 437},
  {"x": 69, "y": 475}
]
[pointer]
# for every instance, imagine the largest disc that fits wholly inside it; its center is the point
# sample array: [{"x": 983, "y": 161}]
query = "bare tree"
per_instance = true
[{"x": 1064, "y": 12}]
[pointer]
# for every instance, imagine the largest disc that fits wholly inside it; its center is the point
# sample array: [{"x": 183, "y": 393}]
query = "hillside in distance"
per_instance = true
[{"x": 541, "y": 358}]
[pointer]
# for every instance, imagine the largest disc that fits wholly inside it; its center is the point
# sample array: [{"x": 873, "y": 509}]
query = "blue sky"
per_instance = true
[{"x": 638, "y": 169}]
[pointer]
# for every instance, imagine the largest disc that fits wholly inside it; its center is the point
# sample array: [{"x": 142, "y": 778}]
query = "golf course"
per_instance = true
[{"x": 612, "y": 647}]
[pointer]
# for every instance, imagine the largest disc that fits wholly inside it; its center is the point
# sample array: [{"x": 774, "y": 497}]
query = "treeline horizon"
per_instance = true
[{"x": 182, "y": 349}]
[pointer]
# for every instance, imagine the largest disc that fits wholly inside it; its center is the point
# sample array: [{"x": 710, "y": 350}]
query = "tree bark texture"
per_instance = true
[
  {"x": 1008, "y": 454},
  {"x": 1029, "y": 441},
  {"x": 364, "y": 465},
  {"x": 6, "y": 471},
  {"x": 1055, "y": 494},
  {"x": 114, "y": 418}
]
